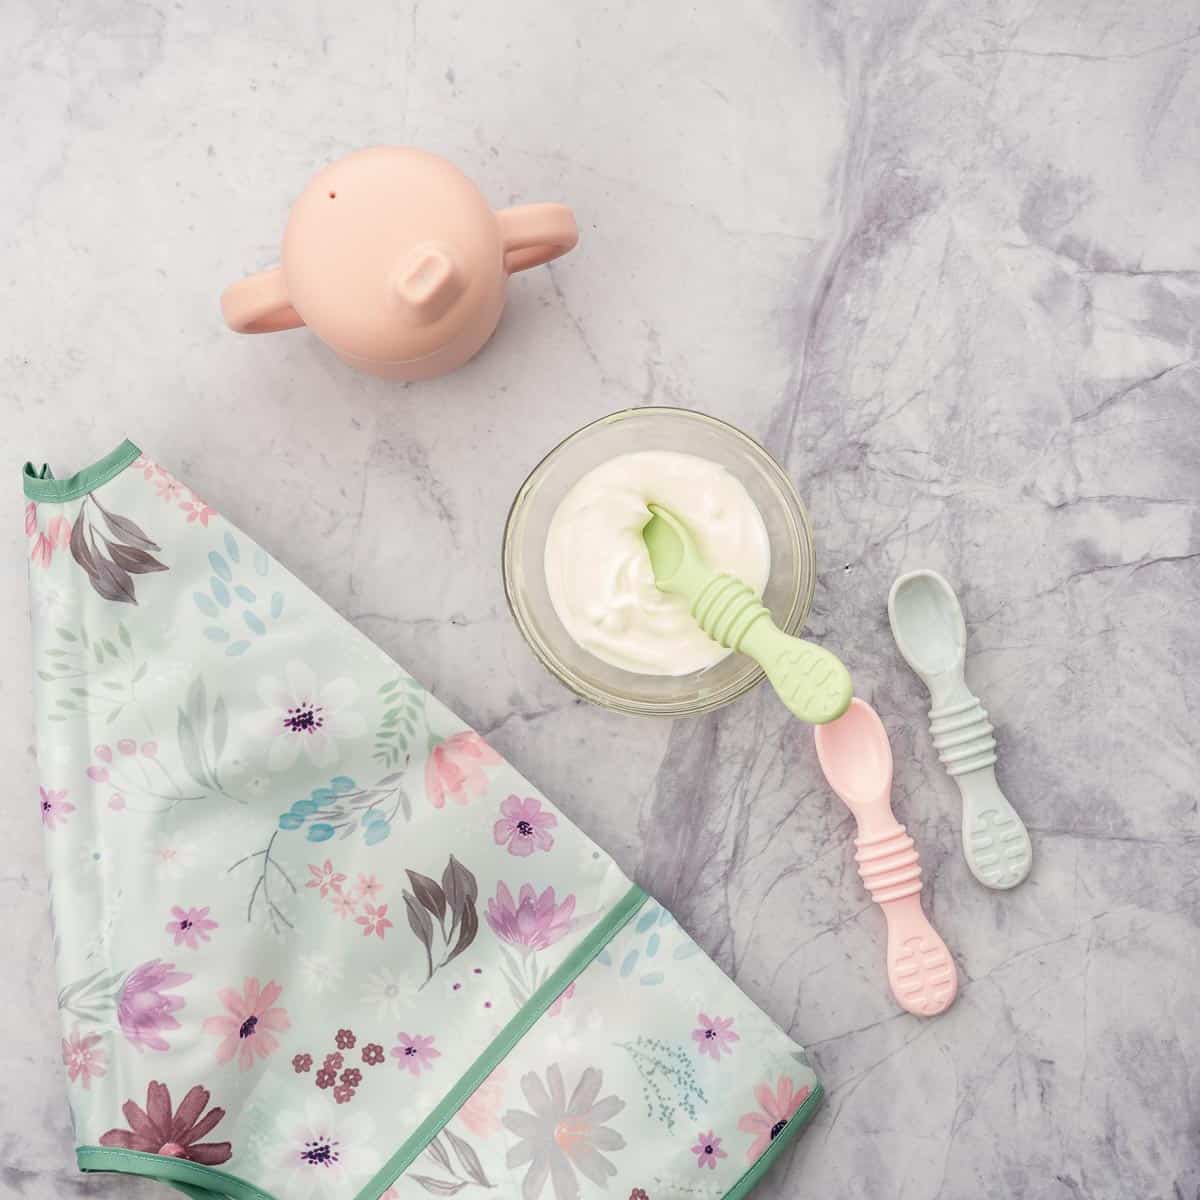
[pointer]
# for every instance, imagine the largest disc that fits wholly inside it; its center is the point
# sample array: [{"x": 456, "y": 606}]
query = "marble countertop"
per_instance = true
[{"x": 941, "y": 258}]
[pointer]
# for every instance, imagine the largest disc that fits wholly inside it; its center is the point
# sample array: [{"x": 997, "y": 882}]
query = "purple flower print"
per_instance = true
[
  {"x": 714, "y": 1035},
  {"x": 531, "y": 922},
  {"x": 145, "y": 1009},
  {"x": 523, "y": 826},
  {"x": 190, "y": 926},
  {"x": 55, "y": 808},
  {"x": 414, "y": 1054},
  {"x": 707, "y": 1150}
]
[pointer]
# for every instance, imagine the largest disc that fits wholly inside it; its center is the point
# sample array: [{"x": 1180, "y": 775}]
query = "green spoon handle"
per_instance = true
[{"x": 813, "y": 683}]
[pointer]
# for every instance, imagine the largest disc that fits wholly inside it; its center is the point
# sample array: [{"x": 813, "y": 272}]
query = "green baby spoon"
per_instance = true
[{"x": 813, "y": 683}]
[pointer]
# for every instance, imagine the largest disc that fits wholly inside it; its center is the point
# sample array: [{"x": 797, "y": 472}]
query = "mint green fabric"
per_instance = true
[{"x": 313, "y": 936}]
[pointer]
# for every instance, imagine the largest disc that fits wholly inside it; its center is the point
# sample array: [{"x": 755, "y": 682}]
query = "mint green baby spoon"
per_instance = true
[{"x": 812, "y": 682}]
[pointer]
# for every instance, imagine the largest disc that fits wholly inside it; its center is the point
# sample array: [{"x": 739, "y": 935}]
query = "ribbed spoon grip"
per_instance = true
[
  {"x": 962, "y": 736},
  {"x": 889, "y": 866},
  {"x": 726, "y": 609}
]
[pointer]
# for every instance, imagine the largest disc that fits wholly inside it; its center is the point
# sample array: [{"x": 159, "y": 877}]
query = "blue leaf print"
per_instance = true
[
  {"x": 629, "y": 963},
  {"x": 253, "y": 623},
  {"x": 305, "y": 808},
  {"x": 220, "y": 565},
  {"x": 648, "y": 918},
  {"x": 685, "y": 950},
  {"x": 231, "y": 547},
  {"x": 220, "y": 591},
  {"x": 322, "y": 795},
  {"x": 342, "y": 783},
  {"x": 204, "y": 604},
  {"x": 376, "y": 832},
  {"x": 236, "y": 648},
  {"x": 651, "y": 979},
  {"x": 652, "y": 945},
  {"x": 290, "y": 820},
  {"x": 604, "y": 958},
  {"x": 320, "y": 832},
  {"x": 244, "y": 593},
  {"x": 215, "y": 633},
  {"x": 276, "y": 606},
  {"x": 262, "y": 564}
]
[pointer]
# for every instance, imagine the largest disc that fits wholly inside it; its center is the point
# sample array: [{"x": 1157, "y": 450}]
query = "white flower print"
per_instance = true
[
  {"x": 171, "y": 856},
  {"x": 319, "y": 973},
  {"x": 97, "y": 860},
  {"x": 324, "y": 1151},
  {"x": 385, "y": 990},
  {"x": 299, "y": 713}
]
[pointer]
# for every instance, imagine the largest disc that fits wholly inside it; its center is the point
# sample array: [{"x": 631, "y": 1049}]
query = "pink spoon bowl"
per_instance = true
[{"x": 856, "y": 757}]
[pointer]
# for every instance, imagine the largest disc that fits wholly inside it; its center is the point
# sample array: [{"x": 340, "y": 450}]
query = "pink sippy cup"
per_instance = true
[{"x": 393, "y": 257}]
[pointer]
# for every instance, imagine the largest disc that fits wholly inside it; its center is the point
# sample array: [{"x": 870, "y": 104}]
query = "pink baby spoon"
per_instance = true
[{"x": 856, "y": 757}]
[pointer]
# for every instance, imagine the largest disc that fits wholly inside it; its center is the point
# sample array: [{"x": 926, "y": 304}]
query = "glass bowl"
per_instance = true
[{"x": 788, "y": 592}]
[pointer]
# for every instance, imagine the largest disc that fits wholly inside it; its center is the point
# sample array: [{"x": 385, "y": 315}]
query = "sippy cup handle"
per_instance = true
[
  {"x": 534, "y": 234},
  {"x": 259, "y": 304}
]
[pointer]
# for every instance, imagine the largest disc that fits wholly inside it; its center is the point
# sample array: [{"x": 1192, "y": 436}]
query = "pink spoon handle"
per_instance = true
[{"x": 920, "y": 970}]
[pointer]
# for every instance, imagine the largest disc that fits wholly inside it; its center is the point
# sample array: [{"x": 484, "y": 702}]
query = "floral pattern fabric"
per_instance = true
[{"x": 294, "y": 899}]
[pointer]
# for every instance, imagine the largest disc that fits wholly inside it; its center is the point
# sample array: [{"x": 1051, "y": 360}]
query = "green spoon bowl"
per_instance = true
[{"x": 812, "y": 682}]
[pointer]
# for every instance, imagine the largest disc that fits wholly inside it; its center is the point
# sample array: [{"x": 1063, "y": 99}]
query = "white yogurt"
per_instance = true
[{"x": 598, "y": 571}]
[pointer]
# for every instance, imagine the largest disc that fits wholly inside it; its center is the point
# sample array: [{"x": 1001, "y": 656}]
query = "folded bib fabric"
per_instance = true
[{"x": 313, "y": 936}]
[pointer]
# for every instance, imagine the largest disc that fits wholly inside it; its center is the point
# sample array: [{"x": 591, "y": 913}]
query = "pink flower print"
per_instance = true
[
  {"x": 248, "y": 1026},
  {"x": 345, "y": 905},
  {"x": 116, "y": 802},
  {"x": 83, "y": 1058},
  {"x": 523, "y": 826},
  {"x": 414, "y": 1054},
  {"x": 55, "y": 808},
  {"x": 374, "y": 920},
  {"x": 776, "y": 1107},
  {"x": 168, "y": 487},
  {"x": 325, "y": 878},
  {"x": 144, "y": 1007},
  {"x": 43, "y": 543},
  {"x": 197, "y": 510},
  {"x": 563, "y": 997},
  {"x": 531, "y": 922},
  {"x": 455, "y": 769},
  {"x": 714, "y": 1036},
  {"x": 147, "y": 466},
  {"x": 368, "y": 887},
  {"x": 707, "y": 1150},
  {"x": 481, "y": 1112},
  {"x": 190, "y": 927}
]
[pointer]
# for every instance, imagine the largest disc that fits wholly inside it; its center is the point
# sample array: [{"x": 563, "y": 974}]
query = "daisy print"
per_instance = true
[
  {"x": 322, "y": 1151},
  {"x": 319, "y": 973},
  {"x": 776, "y": 1107},
  {"x": 385, "y": 992},
  {"x": 171, "y": 856},
  {"x": 249, "y": 1023},
  {"x": 55, "y": 807},
  {"x": 414, "y": 1054},
  {"x": 714, "y": 1036},
  {"x": 190, "y": 926},
  {"x": 301, "y": 715}
]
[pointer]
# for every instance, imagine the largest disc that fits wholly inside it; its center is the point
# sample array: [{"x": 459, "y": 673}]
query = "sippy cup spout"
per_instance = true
[{"x": 427, "y": 281}]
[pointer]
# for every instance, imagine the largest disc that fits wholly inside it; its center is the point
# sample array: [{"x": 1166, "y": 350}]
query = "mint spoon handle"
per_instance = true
[{"x": 813, "y": 683}]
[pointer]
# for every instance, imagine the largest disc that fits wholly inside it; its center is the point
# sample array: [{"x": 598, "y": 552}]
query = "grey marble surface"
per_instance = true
[{"x": 942, "y": 258}]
